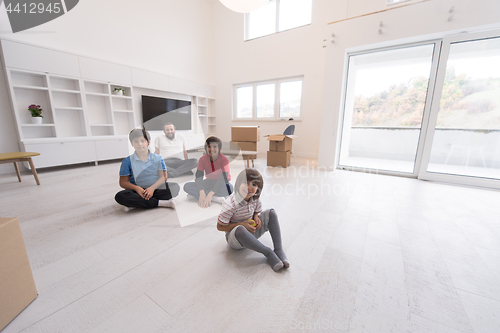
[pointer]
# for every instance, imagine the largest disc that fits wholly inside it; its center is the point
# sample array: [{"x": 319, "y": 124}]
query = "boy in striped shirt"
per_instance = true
[{"x": 236, "y": 216}]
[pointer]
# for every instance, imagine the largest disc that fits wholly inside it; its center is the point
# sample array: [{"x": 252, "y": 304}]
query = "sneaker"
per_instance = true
[{"x": 127, "y": 209}]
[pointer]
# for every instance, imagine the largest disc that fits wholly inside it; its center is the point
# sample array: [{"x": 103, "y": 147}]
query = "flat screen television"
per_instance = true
[{"x": 156, "y": 111}]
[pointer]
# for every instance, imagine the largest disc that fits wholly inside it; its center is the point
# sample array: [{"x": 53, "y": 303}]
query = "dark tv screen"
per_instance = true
[{"x": 156, "y": 111}]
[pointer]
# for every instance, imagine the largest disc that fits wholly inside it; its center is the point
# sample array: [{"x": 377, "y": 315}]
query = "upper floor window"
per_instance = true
[
  {"x": 277, "y": 15},
  {"x": 271, "y": 100}
]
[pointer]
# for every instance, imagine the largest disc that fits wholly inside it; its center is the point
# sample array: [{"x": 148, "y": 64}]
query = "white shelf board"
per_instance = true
[
  {"x": 68, "y": 108},
  {"x": 121, "y": 96},
  {"x": 66, "y": 91},
  {"x": 30, "y": 87},
  {"x": 96, "y": 94},
  {"x": 37, "y": 125}
]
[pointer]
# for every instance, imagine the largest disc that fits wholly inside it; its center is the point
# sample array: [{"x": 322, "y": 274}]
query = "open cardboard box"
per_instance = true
[
  {"x": 17, "y": 287},
  {"x": 280, "y": 142}
]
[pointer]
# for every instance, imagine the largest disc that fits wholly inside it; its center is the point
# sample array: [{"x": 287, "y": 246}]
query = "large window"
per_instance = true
[
  {"x": 385, "y": 100},
  {"x": 277, "y": 15},
  {"x": 467, "y": 131},
  {"x": 271, "y": 100},
  {"x": 428, "y": 110}
]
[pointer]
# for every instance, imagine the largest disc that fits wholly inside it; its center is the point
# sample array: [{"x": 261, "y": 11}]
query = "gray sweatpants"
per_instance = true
[{"x": 231, "y": 238}]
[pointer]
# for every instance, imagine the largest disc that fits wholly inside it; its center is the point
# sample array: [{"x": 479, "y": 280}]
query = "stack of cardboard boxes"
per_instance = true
[
  {"x": 280, "y": 146},
  {"x": 246, "y": 137}
]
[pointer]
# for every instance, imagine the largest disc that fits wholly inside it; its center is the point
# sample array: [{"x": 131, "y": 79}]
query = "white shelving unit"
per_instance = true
[
  {"x": 122, "y": 111},
  {"x": 83, "y": 121},
  {"x": 98, "y": 105},
  {"x": 67, "y": 107},
  {"x": 31, "y": 87},
  {"x": 206, "y": 114},
  {"x": 77, "y": 114}
]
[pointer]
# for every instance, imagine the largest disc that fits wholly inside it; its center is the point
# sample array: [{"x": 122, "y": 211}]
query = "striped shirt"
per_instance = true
[{"x": 235, "y": 209}]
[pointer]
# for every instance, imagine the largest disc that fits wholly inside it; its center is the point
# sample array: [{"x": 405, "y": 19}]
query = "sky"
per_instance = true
[{"x": 477, "y": 59}]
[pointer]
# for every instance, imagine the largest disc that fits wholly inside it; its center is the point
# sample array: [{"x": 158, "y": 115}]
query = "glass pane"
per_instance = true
[
  {"x": 294, "y": 13},
  {"x": 262, "y": 21},
  {"x": 290, "y": 97},
  {"x": 467, "y": 136},
  {"x": 384, "y": 105},
  {"x": 244, "y": 97},
  {"x": 265, "y": 100}
]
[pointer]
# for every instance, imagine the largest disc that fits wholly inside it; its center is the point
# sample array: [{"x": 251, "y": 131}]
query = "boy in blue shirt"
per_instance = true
[{"x": 143, "y": 177}]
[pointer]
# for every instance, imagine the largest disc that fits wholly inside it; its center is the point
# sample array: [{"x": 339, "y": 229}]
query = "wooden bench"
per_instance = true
[
  {"x": 20, "y": 157},
  {"x": 249, "y": 156}
]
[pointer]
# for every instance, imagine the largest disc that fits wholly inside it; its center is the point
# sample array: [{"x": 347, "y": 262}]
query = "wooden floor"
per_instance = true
[{"x": 368, "y": 253}]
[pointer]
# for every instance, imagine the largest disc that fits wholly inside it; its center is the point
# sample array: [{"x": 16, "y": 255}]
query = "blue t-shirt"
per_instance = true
[{"x": 142, "y": 173}]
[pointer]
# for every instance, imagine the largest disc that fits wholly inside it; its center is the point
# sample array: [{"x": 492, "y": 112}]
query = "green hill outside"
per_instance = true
[{"x": 465, "y": 103}]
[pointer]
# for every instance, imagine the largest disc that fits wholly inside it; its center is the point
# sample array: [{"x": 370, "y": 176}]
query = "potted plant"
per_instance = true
[
  {"x": 118, "y": 91},
  {"x": 36, "y": 113}
]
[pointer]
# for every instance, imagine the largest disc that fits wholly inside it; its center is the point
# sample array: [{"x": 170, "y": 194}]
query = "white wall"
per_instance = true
[
  {"x": 300, "y": 52},
  {"x": 164, "y": 36},
  {"x": 8, "y": 131},
  {"x": 294, "y": 52}
]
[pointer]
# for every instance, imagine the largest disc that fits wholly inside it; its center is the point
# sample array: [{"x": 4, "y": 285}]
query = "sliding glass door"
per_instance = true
[
  {"x": 430, "y": 110},
  {"x": 386, "y": 95},
  {"x": 464, "y": 141}
]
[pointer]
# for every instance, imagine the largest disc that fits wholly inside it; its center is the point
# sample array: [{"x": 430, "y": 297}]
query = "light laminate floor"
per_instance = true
[{"x": 369, "y": 253}]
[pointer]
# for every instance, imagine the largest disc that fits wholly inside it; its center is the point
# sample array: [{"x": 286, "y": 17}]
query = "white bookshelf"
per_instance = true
[
  {"x": 83, "y": 121},
  {"x": 76, "y": 113},
  {"x": 122, "y": 111},
  {"x": 205, "y": 108}
]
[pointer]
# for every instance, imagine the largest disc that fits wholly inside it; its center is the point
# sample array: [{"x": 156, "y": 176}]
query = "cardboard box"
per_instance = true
[
  {"x": 17, "y": 287},
  {"x": 246, "y": 145},
  {"x": 245, "y": 133},
  {"x": 278, "y": 158},
  {"x": 252, "y": 146},
  {"x": 280, "y": 142}
]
